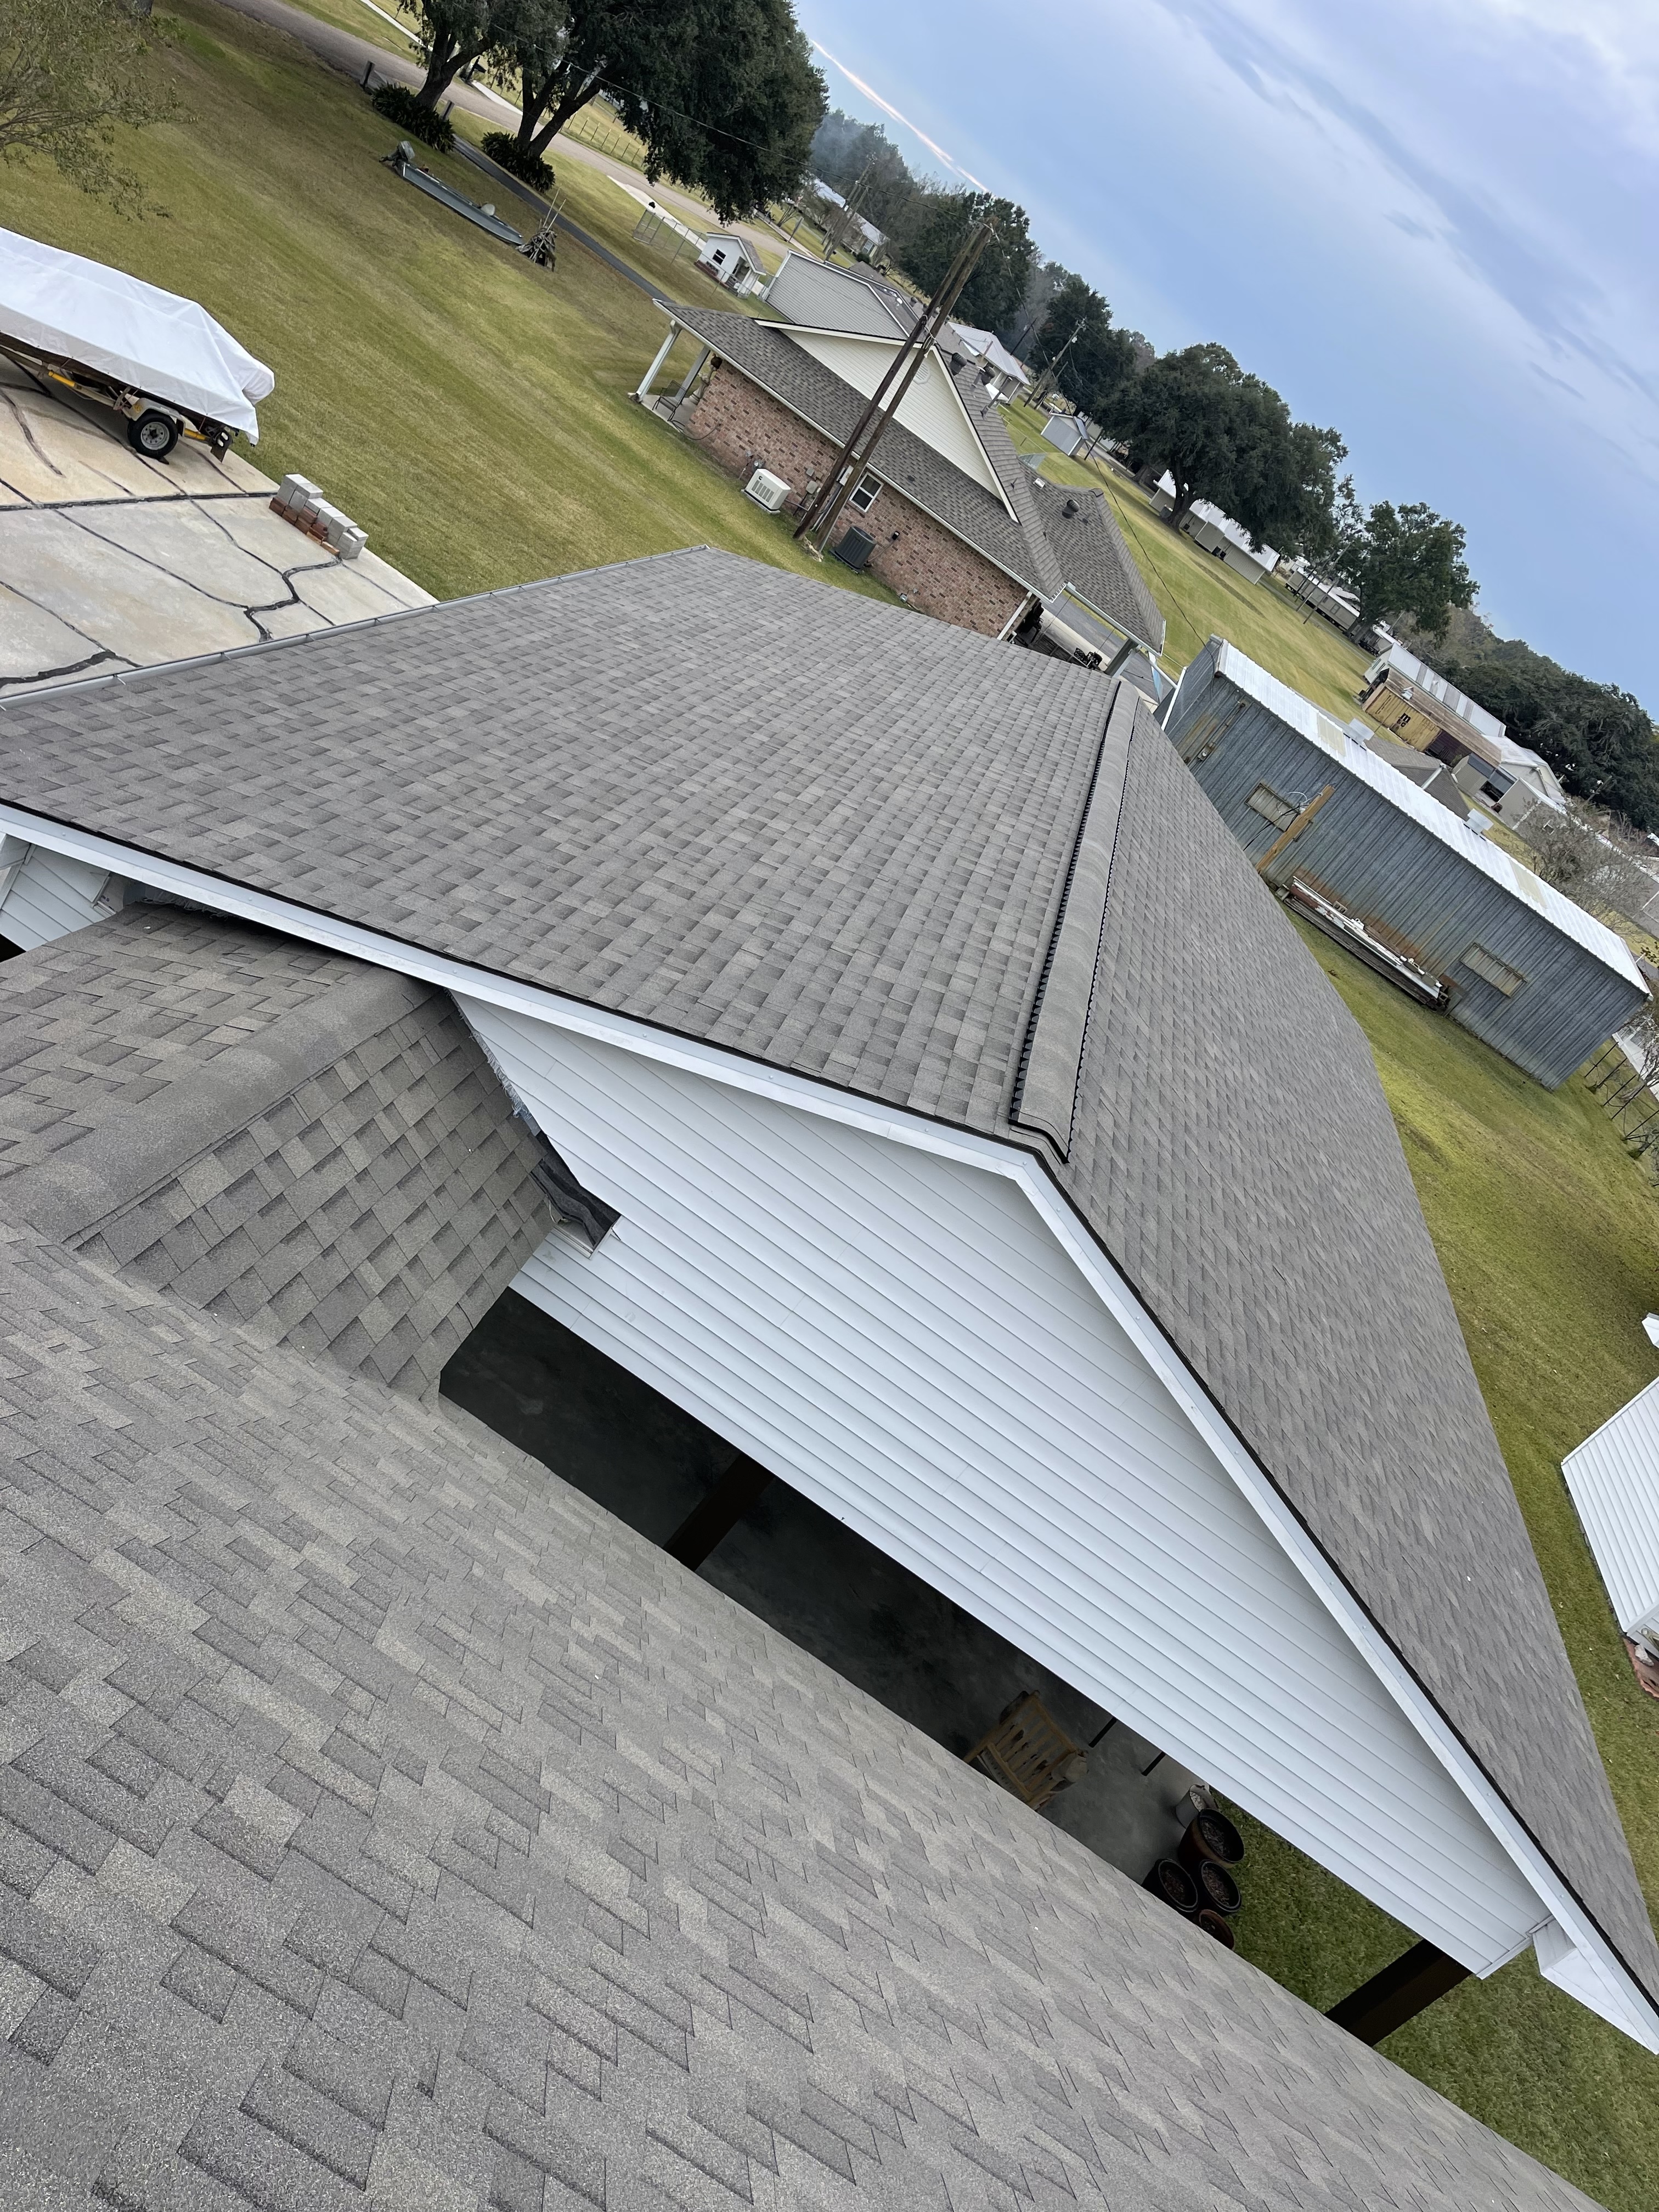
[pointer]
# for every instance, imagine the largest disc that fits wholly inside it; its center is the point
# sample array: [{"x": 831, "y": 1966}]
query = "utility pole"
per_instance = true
[
  {"x": 854, "y": 456},
  {"x": 1050, "y": 375}
]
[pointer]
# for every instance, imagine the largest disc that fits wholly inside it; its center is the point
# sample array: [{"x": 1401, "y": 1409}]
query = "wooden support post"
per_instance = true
[
  {"x": 1295, "y": 830},
  {"x": 1399, "y": 1993},
  {"x": 720, "y": 1512}
]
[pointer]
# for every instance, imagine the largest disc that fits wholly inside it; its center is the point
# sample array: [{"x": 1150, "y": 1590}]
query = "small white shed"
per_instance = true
[
  {"x": 1613, "y": 1479},
  {"x": 730, "y": 262},
  {"x": 1065, "y": 432}
]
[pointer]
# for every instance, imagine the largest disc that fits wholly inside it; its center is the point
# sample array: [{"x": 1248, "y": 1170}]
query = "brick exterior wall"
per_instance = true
[{"x": 744, "y": 428}]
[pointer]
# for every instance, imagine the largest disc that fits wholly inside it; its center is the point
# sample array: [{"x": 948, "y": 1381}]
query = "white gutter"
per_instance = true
[{"x": 1572, "y": 1950}]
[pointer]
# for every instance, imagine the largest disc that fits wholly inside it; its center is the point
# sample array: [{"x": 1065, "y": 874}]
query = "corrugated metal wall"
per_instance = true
[
  {"x": 902, "y": 1337},
  {"x": 1387, "y": 867},
  {"x": 1614, "y": 1477}
]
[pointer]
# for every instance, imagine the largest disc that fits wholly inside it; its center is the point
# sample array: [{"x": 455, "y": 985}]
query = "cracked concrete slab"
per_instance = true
[{"x": 109, "y": 560}]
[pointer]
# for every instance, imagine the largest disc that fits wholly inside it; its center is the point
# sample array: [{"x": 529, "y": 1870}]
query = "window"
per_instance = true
[
  {"x": 864, "y": 498},
  {"x": 1491, "y": 969},
  {"x": 1267, "y": 803}
]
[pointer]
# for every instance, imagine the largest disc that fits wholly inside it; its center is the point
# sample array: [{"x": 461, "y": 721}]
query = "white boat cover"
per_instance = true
[{"x": 103, "y": 319}]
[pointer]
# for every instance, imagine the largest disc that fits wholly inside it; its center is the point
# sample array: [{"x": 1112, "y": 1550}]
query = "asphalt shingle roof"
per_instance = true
[
  {"x": 381, "y": 1823},
  {"x": 313, "y": 1147},
  {"x": 598, "y": 786},
  {"x": 1095, "y": 559}
]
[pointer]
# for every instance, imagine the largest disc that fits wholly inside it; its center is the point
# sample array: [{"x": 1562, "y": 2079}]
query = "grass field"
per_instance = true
[
  {"x": 470, "y": 411},
  {"x": 1549, "y": 1237},
  {"x": 1199, "y": 596}
]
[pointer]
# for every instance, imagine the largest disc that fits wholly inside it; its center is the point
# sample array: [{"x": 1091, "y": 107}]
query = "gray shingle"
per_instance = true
[
  {"x": 856, "y": 876},
  {"x": 930, "y": 1997},
  {"x": 1095, "y": 559},
  {"x": 172, "y": 1048}
]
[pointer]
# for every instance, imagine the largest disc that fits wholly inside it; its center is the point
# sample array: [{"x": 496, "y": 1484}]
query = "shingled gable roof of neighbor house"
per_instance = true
[
  {"x": 762, "y": 352},
  {"x": 1095, "y": 558},
  {"x": 387, "y": 1824},
  {"x": 586, "y": 785}
]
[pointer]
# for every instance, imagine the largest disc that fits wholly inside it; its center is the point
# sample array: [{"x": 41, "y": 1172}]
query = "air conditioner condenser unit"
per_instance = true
[{"x": 767, "y": 490}]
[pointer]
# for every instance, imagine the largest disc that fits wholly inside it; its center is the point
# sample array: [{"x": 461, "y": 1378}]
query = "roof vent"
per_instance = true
[{"x": 1069, "y": 509}]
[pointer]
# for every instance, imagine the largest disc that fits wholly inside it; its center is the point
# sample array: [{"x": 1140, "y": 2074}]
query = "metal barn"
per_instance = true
[{"x": 1388, "y": 871}]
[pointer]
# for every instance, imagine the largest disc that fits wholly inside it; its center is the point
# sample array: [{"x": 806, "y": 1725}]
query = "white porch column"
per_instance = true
[{"x": 643, "y": 393}]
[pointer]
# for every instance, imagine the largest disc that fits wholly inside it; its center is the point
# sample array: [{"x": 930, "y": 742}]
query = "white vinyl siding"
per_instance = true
[
  {"x": 1571, "y": 1951},
  {"x": 932, "y": 408},
  {"x": 1614, "y": 1477},
  {"x": 899, "y": 1336},
  {"x": 48, "y": 896}
]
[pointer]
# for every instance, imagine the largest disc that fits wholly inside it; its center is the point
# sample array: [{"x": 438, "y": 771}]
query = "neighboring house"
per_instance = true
[
  {"x": 1614, "y": 1478},
  {"x": 973, "y": 1146},
  {"x": 1418, "y": 707},
  {"x": 1417, "y": 893},
  {"x": 1334, "y": 601},
  {"x": 1007, "y": 375},
  {"x": 1214, "y": 533},
  {"x": 805, "y": 290},
  {"x": 1421, "y": 769},
  {"x": 729, "y": 260},
  {"x": 950, "y": 518}
]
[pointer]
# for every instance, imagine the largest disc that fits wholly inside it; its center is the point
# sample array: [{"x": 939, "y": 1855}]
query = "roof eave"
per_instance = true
[{"x": 1583, "y": 1959}]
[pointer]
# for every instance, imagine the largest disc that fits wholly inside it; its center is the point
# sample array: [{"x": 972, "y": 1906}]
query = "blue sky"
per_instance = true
[{"x": 1431, "y": 224}]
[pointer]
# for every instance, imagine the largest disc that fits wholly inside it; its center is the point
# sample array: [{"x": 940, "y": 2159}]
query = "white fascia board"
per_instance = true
[{"x": 1572, "y": 1950}]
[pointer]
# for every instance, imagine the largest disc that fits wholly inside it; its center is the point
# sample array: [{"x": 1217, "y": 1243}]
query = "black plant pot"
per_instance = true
[
  {"x": 1175, "y": 1885},
  {"x": 1211, "y": 1836}
]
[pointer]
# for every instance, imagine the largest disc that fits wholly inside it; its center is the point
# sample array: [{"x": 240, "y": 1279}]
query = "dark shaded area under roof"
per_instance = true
[
  {"x": 597, "y": 784},
  {"x": 819, "y": 397},
  {"x": 385, "y": 1823}
]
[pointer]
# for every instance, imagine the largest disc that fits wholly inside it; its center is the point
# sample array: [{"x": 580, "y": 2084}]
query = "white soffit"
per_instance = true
[
  {"x": 1571, "y": 1951},
  {"x": 932, "y": 409}
]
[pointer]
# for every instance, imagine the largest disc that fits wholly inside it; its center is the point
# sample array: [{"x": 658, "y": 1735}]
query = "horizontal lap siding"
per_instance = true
[
  {"x": 901, "y": 1338},
  {"x": 1385, "y": 866},
  {"x": 48, "y": 898},
  {"x": 1614, "y": 1477}
]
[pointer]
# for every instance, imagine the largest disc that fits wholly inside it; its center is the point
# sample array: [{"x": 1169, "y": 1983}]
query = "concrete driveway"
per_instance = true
[{"x": 110, "y": 560}]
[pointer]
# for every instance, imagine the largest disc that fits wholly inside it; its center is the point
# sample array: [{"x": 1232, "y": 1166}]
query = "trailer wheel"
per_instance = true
[{"x": 154, "y": 434}]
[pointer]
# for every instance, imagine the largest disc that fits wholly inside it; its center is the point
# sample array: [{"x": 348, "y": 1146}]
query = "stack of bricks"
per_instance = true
[{"x": 299, "y": 500}]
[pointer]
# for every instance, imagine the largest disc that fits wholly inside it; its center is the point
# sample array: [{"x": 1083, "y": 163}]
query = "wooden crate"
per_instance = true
[{"x": 1029, "y": 1753}]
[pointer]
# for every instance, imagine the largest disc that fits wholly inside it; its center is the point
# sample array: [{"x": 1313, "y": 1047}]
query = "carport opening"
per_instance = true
[{"x": 804, "y": 1573}]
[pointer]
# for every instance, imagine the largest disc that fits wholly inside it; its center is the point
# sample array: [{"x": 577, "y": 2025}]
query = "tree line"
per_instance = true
[
  {"x": 723, "y": 93},
  {"x": 1220, "y": 433}
]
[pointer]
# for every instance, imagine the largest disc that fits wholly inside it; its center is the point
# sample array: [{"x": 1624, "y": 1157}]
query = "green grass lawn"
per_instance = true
[
  {"x": 472, "y": 412},
  {"x": 1549, "y": 1237},
  {"x": 1200, "y": 597}
]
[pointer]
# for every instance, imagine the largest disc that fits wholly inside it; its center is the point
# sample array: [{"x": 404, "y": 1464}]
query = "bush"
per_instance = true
[
  {"x": 530, "y": 168},
  {"x": 400, "y": 105}
]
